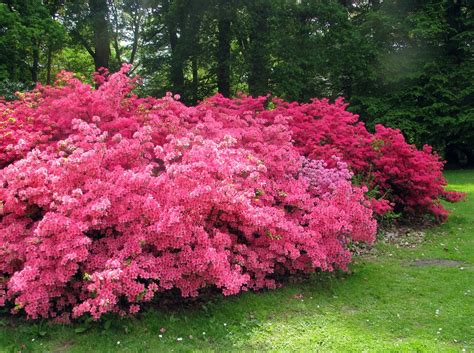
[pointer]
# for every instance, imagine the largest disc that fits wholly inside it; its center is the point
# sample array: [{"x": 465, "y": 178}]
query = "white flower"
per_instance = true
[{"x": 179, "y": 339}]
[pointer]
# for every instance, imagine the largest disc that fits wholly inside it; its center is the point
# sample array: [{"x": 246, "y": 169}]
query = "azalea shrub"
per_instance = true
[
  {"x": 400, "y": 177},
  {"x": 107, "y": 199},
  {"x": 407, "y": 180}
]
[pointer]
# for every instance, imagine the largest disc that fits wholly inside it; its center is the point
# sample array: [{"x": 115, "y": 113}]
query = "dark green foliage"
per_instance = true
[
  {"x": 28, "y": 32},
  {"x": 424, "y": 80}
]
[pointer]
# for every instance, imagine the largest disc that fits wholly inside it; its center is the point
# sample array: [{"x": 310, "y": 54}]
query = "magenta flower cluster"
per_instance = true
[{"x": 107, "y": 199}]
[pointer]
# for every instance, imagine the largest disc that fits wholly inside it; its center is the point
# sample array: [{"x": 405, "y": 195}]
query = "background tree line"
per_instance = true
[{"x": 405, "y": 63}]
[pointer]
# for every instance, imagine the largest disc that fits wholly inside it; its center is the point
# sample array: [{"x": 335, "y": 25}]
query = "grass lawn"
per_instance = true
[{"x": 402, "y": 300}]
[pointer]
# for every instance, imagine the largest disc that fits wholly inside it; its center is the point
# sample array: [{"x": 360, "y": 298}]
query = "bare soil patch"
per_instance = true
[{"x": 437, "y": 262}]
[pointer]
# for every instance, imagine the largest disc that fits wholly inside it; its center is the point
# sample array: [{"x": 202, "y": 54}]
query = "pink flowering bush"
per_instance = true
[
  {"x": 401, "y": 178},
  {"x": 406, "y": 179},
  {"x": 108, "y": 199}
]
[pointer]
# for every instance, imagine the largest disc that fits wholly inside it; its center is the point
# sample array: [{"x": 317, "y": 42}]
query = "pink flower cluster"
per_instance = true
[
  {"x": 107, "y": 199},
  {"x": 406, "y": 180}
]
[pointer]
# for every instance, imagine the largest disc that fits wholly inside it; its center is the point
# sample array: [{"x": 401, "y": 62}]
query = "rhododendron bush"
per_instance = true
[{"x": 107, "y": 199}]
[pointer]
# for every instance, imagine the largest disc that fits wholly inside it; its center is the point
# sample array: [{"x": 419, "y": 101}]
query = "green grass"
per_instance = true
[{"x": 386, "y": 304}]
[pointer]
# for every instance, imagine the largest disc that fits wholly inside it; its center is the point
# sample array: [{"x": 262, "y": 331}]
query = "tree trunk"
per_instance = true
[
  {"x": 118, "y": 55},
  {"x": 259, "y": 71},
  {"x": 176, "y": 74},
  {"x": 223, "y": 48},
  {"x": 136, "y": 34},
  {"x": 346, "y": 84},
  {"x": 49, "y": 62},
  {"x": 35, "y": 65},
  {"x": 115, "y": 31},
  {"x": 99, "y": 10},
  {"x": 177, "y": 62},
  {"x": 195, "y": 78}
]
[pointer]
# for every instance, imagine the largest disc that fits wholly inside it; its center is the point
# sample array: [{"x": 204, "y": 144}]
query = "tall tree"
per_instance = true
[
  {"x": 225, "y": 14},
  {"x": 173, "y": 18},
  {"x": 54, "y": 43},
  {"x": 259, "y": 73},
  {"x": 88, "y": 24},
  {"x": 100, "y": 26}
]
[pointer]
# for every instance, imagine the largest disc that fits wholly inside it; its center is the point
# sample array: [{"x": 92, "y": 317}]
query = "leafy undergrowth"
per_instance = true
[{"x": 404, "y": 299}]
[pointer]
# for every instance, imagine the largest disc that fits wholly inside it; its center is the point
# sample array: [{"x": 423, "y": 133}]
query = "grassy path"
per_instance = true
[{"x": 403, "y": 300}]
